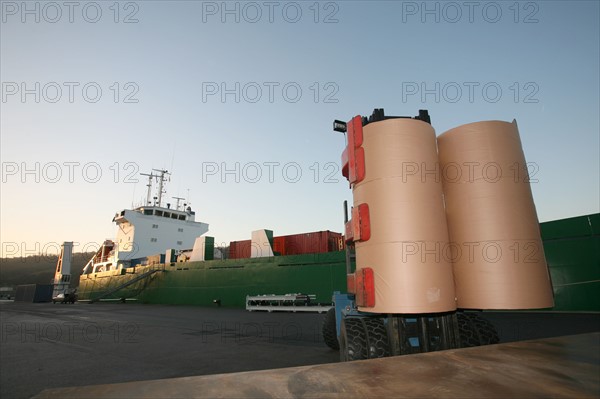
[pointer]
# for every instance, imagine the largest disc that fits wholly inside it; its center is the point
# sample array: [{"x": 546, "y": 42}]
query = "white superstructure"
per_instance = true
[{"x": 148, "y": 230}]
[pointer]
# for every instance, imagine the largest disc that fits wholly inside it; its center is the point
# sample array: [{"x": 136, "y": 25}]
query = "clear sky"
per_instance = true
[{"x": 237, "y": 100}]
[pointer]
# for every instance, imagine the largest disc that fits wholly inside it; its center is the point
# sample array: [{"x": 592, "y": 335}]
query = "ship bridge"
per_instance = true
[
  {"x": 149, "y": 229},
  {"x": 176, "y": 214}
]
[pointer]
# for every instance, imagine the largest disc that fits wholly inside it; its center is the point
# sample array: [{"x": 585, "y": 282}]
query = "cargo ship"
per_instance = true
[{"x": 162, "y": 255}]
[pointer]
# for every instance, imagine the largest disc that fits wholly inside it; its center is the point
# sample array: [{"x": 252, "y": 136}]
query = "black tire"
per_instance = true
[
  {"x": 353, "y": 340},
  {"x": 363, "y": 338},
  {"x": 377, "y": 338},
  {"x": 329, "y": 330},
  {"x": 475, "y": 330}
]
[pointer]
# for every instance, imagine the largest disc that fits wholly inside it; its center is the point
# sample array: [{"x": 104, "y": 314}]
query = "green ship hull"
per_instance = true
[
  {"x": 571, "y": 246},
  {"x": 228, "y": 281}
]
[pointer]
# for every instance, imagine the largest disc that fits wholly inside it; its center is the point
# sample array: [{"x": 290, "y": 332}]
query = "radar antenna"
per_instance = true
[{"x": 177, "y": 203}]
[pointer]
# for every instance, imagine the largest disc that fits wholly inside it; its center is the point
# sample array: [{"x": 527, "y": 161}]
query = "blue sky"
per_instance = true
[{"x": 538, "y": 63}]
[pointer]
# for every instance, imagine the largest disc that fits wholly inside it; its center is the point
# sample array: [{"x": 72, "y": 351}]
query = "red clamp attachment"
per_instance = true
[
  {"x": 359, "y": 227},
  {"x": 361, "y": 223},
  {"x": 353, "y": 157},
  {"x": 365, "y": 287},
  {"x": 349, "y": 232}
]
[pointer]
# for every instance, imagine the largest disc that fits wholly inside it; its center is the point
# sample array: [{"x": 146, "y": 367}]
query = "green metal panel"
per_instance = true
[
  {"x": 580, "y": 226},
  {"x": 209, "y": 248},
  {"x": 572, "y": 249}
]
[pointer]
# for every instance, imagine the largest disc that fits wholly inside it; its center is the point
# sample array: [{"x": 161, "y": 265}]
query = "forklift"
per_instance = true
[{"x": 400, "y": 290}]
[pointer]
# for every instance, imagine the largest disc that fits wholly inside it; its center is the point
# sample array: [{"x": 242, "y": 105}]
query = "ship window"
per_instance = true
[
  {"x": 147, "y": 211},
  {"x": 180, "y": 230},
  {"x": 167, "y": 214},
  {"x": 153, "y": 240},
  {"x": 155, "y": 226},
  {"x": 159, "y": 213},
  {"x": 173, "y": 216},
  {"x": 179, "y": 242},
  {"x": 181, "y": 217}
]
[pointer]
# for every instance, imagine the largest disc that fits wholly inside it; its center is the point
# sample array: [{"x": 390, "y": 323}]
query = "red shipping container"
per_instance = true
[
  {"x": 239, "y": 249},
  {"x": 295, "y": 244},
  {"x": 308, "y": 243}
]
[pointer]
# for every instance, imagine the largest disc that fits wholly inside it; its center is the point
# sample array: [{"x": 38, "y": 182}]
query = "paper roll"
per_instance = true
[
  {"x": 408, "y": 222},
  {"x": 496, "y": 247}
]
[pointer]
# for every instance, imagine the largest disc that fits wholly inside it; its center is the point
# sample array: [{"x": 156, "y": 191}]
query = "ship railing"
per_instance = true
[
  {"x": 100, "y": 259},
  {"x": 286, "y": 303},
  {"x": 145, "y": 268}
]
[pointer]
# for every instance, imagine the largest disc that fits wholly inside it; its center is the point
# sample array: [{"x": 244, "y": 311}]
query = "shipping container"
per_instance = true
[
  {"x": 295, "y": 244},
  {"x": 239, "y": 249},
  {"x": 34, "y": 293},
  {"x": 308, "y": 243}
]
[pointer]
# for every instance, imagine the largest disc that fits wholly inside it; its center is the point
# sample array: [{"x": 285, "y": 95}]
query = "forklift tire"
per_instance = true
[
  {"x": 475, "y": 330},
  {"x": 353, "y": 340},
  {"x": 363, "y": 338},
  {"x": 329, "y": 330},
  {"x": 377, "y": 338}
]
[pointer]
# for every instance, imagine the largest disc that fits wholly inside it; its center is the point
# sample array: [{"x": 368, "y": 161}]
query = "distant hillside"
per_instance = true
[{"x": 38, "y": 269}]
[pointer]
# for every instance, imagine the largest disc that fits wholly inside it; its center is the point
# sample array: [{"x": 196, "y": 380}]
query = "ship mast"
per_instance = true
[
  {"x": 161, "y": 177},
  {"x": 149, "y": 185},
  {"x": 161, "y": 181}
]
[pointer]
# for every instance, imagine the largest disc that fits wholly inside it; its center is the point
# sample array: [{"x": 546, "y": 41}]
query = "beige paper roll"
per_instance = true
[
  {"x": 496, "y": 248},
  {"x": 408, "y": 222}
]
